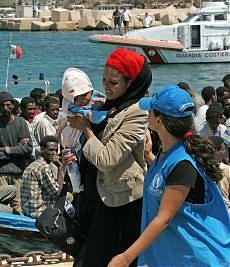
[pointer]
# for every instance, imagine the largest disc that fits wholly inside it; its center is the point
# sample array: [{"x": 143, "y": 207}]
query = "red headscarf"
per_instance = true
[{"x": 128, "y": 62}]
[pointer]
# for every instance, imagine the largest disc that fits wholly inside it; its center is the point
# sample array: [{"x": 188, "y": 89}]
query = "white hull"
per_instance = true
[{"x": 161, "y": 56}]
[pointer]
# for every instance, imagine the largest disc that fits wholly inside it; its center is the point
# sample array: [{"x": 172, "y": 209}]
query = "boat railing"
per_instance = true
[{"x": 45, "y": 84}]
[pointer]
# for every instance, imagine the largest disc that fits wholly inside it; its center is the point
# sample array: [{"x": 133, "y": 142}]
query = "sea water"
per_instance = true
[{"x": 51, "y": 53}]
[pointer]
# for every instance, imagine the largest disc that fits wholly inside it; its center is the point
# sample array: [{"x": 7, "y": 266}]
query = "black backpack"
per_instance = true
[{"x": 59, "y": 228}]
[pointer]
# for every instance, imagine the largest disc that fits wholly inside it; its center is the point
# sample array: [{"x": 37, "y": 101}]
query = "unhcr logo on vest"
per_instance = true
[{"x": 156, "y": 187}]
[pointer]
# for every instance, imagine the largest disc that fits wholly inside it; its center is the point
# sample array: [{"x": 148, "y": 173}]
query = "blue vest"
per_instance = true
[{"x": 199, "y": 234}]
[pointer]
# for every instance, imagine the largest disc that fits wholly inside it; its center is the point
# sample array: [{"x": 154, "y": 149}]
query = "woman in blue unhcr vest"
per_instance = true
[{"x": 184, "y": 219}]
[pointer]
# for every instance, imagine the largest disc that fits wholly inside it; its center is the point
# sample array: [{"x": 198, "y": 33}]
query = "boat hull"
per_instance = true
[
  {"x": 19, "y": 236},
  {"x": 158, "y": 52}
]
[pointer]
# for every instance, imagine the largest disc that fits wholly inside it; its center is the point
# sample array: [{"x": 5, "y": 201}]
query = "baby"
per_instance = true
[{"x": 79, "y": 97}]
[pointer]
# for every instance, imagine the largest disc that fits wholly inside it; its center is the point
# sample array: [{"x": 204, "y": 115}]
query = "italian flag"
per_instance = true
[{"x": 15, "y": 52}]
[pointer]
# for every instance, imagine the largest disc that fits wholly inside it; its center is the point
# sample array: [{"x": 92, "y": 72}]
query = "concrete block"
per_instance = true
[
  {"x": 137, "y": 23},
  {"x": 87, "y": 23},
  {"x": 4, "y": 25},
  {"x": 63, "y": 26},
  {"x": 41, "y": 26},
  {"x": 74, "y": 15},
  {"x": 103, "y": 23},
  {"x": 169, "y": 19},
  {"x": 23, "y": 26},
  {"x": 10, "y": 26},
  {"x": 46, "y": 18},
  {"x": 44, "y": 13},
  {"x": 86, "y": 12},
  {"x": 60, "y": 15}
]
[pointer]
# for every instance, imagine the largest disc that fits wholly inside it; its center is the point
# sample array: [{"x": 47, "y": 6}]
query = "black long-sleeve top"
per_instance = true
[{"x": 11, "y": 133}]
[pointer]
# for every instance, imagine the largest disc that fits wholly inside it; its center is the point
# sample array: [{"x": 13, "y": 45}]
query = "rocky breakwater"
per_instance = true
[{"x": 87, "y": 19}]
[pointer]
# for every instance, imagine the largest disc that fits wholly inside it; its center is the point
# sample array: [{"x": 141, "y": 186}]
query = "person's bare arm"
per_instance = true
[{"x": 173, "y": 198}]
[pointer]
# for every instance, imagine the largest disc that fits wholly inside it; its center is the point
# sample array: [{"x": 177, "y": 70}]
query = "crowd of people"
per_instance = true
[{"x": 157, "y": 164}]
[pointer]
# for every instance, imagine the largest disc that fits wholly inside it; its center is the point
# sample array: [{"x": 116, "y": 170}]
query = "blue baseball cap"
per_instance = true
[{"x": 171, "y": 101}]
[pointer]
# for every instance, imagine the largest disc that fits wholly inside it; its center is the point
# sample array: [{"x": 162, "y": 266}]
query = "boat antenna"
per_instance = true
[{"x": 8, "y": 65}]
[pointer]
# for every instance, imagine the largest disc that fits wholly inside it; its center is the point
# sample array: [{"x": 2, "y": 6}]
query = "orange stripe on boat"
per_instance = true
[{"x": 125, "y": 40}]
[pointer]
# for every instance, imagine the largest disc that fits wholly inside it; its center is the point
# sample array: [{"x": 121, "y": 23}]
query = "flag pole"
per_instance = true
[{"x": 8, "y": 66}]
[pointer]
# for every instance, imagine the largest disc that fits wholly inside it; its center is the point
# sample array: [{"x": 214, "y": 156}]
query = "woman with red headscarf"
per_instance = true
[{"x": 113, "y": 165}]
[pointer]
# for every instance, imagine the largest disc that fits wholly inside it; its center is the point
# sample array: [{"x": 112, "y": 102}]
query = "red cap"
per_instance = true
[{"x": 128, "y": 62}]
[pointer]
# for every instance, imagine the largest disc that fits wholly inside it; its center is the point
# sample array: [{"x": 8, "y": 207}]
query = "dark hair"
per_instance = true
[
  {"x": 216, "y": 141},
  {"x": 207, "y": 93},
  {"x": 214, "y": 110},
  {"x": 226, "y": 77},
  {"x": 220, "y": 92},
  {"x": 184, "y": 86},
  {"x": 37, "y": 93},
  {"x": 197, "y": 147},
  {"x": 51, "y": 100},
  {"x": 25, "y": 101},
  {"x": 48, "y": 139},
  {"x": 16, "y": 107},
  {"x": 58, "y": 94}
]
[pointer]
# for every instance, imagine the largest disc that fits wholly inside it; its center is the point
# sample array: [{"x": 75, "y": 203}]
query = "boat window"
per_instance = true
[
  {"x": 206, "y": 18},
  {"x": 221, "y": 17}
]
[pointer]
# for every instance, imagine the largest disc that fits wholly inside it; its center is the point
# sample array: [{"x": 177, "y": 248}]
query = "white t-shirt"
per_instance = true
[
  {"x": 147, "y": 21},
  {"x": 200, "y": 118},
  {"x": 126, "y": 15}
]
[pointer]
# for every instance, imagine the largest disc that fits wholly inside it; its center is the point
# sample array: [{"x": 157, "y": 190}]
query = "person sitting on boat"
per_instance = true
[
  {"x": 42, "y": 180},
  {"x": 49, "y": 124},
  {"x": 7, "y": 194},
  {"x": 79, "y": 97},
  {"x": 182, "y": 205},
  {"x": 197, "y": 99},
  {"x": 226, "y": 81},
  {"x": 15, "y": 146},
  {"x": 209, "y": 95}
]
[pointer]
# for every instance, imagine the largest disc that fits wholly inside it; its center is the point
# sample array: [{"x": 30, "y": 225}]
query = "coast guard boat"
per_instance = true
[{"x": 203, "y": 37}]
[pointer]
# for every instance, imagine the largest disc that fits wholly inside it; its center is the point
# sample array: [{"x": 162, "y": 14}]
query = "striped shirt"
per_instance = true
[{"x": 39, "y": 187}]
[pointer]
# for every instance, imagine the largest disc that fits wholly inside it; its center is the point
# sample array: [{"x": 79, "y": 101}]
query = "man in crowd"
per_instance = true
[
  {"x": 117, "y": 20},
  {"x": 198, "y": 101},
  {"x": 15, "y": 147},
  {"x": 42, "y": 180},
  {"x": 29, "y": 112},
  {"x": 213, "y": 126},
  {"x": 147, "y": 21},
  {"x": 209, "y": 95},
  {"x": 38, "y": 94},
  {"x": 48, "y": 125},
  {"x": 226, "y": 81}
]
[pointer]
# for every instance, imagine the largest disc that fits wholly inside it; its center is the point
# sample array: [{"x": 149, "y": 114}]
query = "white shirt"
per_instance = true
[
  {"x": 147, "y": 21},
  {"x": 200, "y": 118},
  {"x": 126, "y": 15}
]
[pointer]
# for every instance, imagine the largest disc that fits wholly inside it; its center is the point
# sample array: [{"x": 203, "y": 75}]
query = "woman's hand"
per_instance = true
[
  {"x": 82, "y": 124},
  {"x": 149, "y": 156},
  {"x": 79, "y": 122},
  {"x": 121, "y": 260},
  {"x": 68, "y": 159}
]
